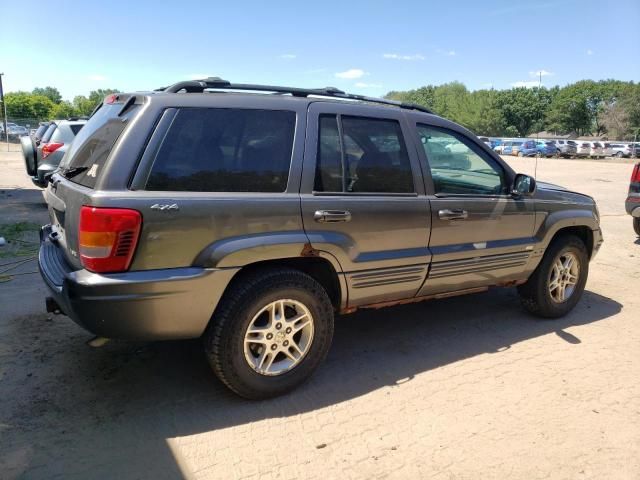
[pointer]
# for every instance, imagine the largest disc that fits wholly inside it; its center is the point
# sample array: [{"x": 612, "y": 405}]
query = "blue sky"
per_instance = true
[{"x": 367, "y": 47}]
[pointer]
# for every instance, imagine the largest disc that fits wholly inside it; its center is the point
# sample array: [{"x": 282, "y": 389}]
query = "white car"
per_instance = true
[
  {"x": 595, "y": 150},
  {"x": 607, "y": 151},
  {"x": 621, "y": 150},
  {"x": 583, "y": 149}
]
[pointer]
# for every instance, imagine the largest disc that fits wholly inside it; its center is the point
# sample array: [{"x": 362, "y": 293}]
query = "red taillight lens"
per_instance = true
[
  {"x": 635, "y": 175},
  {"x": 111, "y": 99},
  {"x": 108, "y": 238},
  {"x": 49, "y": 148}
]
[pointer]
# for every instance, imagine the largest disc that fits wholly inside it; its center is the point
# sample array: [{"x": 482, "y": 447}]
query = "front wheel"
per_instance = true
[
  {"x": 520, "y": 154},
  {"x": 636, "y": 225},
  {"x": 555, "y": 287},
  {"x": 270, "y": 333}
]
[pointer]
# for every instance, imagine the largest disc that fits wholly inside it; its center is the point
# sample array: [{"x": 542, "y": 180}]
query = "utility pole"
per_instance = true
[{"x": 4, "y": 106}]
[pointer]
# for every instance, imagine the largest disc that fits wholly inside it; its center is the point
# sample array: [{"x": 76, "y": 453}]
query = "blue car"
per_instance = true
[
  {"x": 528, "y": 149},
  {"x": 546, "y": 149}
]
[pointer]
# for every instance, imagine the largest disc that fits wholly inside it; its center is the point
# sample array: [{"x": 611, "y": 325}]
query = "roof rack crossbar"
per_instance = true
[{"x": 212, "y": 83}]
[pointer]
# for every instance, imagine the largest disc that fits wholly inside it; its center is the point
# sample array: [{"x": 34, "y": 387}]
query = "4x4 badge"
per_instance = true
[{"x": 157, "y": 206}]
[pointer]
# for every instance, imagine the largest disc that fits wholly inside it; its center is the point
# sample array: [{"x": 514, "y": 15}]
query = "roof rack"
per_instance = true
[{"x": 213, "y": 83}]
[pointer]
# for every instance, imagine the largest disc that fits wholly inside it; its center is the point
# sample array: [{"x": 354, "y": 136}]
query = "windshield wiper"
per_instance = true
[{"x": 73, "y": 171}]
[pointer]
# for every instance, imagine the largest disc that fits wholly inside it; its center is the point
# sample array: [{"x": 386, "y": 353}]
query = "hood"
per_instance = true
[{"x": 550, "y": 191}]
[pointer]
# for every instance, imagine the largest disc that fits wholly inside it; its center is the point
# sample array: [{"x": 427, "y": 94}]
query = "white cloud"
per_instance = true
[
  {"x": 351, "y": 73},
  {"x": 538, "y": 73},
  {"x": 97, "y": 78},
  {"x": 448, "y": 53},
  {"x": 395, "y": 56},
  {"x": 589, "y": 52},
  {"x": 367, "y": 85},
  {"x": 288, "y": 56},
  {"x": 527, "y": 84},
  {"x": 451, "y": 53}
]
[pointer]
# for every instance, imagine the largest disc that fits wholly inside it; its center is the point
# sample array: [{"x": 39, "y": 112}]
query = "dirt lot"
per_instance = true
[{"x": 468, "y": 387}]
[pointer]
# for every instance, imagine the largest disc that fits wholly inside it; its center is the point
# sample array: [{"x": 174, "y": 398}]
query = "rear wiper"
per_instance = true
[{"x": 73, "y": 171}]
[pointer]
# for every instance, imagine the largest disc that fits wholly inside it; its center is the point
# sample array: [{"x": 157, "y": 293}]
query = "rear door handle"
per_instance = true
[
  {"x": 456, "y": 214},
  {"x": 331, "y": 216}
]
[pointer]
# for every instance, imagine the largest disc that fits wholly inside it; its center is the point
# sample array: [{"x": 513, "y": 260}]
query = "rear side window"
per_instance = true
[
  {"x": 225, "y": 150},
  {"x": 369, "y": 157},
  {"x": 88, "y": 153},
  {"x": 40, "y": 131},
  {"x": 76, "y": 127}
]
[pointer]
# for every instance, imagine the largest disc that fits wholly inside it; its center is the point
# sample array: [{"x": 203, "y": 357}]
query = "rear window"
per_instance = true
[
  {"x": 571, "y": 143},
  {"x": 65, "y": 133},
  {"x": 40, "y": 131},
  {"x": 49, "y": 132},
  {"x": 88, "y": 153},
  {"x": 225, "y": 150}
]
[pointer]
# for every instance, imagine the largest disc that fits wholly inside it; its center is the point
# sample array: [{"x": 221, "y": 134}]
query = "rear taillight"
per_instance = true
[
  {"x": 108, "y": 238},
  {"x": 49, "y": 148},
  {"x": 635, "y": 175}
]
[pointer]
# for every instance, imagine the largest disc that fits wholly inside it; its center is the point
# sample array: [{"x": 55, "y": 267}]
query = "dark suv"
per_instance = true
[{"x": 250, "y": 219}]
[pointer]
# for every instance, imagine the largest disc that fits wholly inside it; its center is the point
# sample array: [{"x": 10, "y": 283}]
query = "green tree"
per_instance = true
[
  {"x": 523, "y": 108},
  {"x": 63, "y": 110},
  {"x": 51, "y": 93},
  {"x": 29, "y": 106}
]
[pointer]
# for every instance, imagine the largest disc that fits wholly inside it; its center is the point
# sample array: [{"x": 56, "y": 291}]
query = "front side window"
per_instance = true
[
  {"x": 225, "y": 150},
  {"x": 370, "y": 157},
  {"x": 458, "y": 168}
]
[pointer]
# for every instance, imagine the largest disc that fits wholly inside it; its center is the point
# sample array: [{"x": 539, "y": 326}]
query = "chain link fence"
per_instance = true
[{"x": 16, "y": 127}]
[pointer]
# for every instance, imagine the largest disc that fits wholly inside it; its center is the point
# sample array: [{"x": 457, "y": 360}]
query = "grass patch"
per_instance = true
[{"x": 22, "y": 239}]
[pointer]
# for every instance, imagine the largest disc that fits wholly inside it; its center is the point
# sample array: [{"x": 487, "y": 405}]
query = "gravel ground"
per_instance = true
[{"x": 468, "y": 387}]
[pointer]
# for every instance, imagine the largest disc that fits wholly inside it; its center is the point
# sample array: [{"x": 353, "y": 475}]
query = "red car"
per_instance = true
[{"x": 632, "y": 204}]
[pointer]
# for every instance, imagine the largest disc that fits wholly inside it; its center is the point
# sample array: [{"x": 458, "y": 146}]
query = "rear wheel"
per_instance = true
[
  {"x": 555, "y": 287},
  {"x": 269, "y": 333},
  {"x": 619, "y": 154},
  {"x": 636, "y": 225},
  {"x": 520, "y": 154}
]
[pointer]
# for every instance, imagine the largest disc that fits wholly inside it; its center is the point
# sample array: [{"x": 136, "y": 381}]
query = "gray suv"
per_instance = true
[
  {"x": 251, "y": 219},
  {"x": 42, "y": 156}
]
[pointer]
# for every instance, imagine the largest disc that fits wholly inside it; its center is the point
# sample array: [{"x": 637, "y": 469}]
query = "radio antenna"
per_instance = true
[{"x": 535, "y": 168}]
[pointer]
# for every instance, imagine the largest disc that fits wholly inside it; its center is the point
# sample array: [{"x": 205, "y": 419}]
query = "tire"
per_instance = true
[
  {"x": 520, "y": 154},
  {"x": 636, "y": 225},
  {"x": 619, "y": 154},
  {"x": 535, "y": 294},
  {"x": 225, "y": 340}
]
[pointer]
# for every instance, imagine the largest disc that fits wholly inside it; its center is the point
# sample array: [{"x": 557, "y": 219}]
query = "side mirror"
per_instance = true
[{"x": 523, "y": 186}]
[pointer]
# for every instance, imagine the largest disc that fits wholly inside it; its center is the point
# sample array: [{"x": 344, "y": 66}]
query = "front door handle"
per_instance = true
[
  {"x": 331, "y": 216},
  {"x": 456, "y": 214}
]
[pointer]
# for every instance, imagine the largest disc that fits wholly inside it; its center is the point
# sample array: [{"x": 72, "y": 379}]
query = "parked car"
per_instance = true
[
  {"x": 14, "y": 131},
  {"x": 621, "y": 150},
  {"x": 632, "y": 205},
  {"x": 508, "y": 148},
  {"x": 249, "y": 220},
  {"x": 595, "y": 150},
  {"x": 42, "y": 158},
  {"x": 565, "y": 148},
  {"x": 527, "y": 149},
  {"x": 583, "y": 149},
  {"x": 635, "y": 149},
  {"x": 607, "y": 151},
  {"x": 486, "y": 141},
  {"x": 547, "y": 148}
]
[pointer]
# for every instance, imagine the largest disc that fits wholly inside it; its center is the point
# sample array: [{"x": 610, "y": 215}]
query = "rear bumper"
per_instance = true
[{"x": 145, "y": 305}]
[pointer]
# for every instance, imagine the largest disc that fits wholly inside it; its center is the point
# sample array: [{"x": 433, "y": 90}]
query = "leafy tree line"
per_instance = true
[
  {"x": 47, "y": 104},
  {"x": 586, "y": 107}
]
